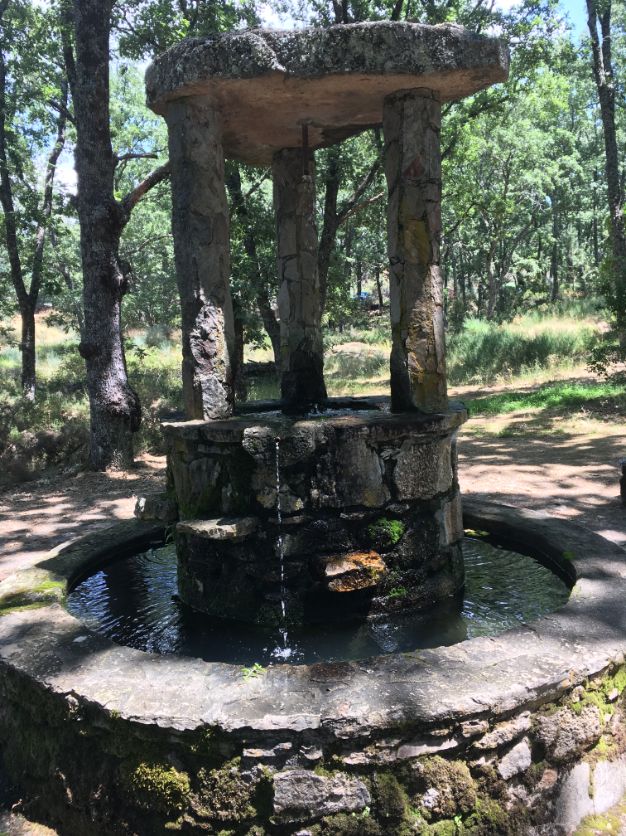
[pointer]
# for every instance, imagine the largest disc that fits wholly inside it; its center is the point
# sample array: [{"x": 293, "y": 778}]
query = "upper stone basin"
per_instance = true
[{"x": 268, "y": 84}]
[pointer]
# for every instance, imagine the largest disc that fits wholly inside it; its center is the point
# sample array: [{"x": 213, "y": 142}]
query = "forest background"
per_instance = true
[{"x": 533, "y": 215}]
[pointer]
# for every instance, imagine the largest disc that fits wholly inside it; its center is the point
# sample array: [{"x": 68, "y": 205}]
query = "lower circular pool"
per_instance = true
[{"x": 133, "y": 601}]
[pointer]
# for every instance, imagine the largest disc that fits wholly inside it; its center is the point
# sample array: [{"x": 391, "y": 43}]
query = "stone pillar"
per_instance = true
[
  {"x": 412, "y": 121},
  {"x": 200, "y": 224},
  {"x": 302, "y": 359}
]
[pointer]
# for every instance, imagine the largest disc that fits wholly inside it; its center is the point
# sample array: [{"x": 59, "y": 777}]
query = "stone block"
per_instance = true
[
  {"x": 504, "y": 733},
  {"x": 566, "y": 735},
  {"x": 224, "y": 528},
  {"x": 300, "y": 795},
  {"x": 359, "y": 474},
  {"x": 451, "y": 521},
  {"x": 352, "y": 571},
  {"x": 516, "y": 760},
  {"x": 423, "y": 469},
  {"x": 156, "y": 507}
]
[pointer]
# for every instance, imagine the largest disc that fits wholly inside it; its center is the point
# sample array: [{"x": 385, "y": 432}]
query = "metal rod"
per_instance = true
[{"x": 305, "y": 150}]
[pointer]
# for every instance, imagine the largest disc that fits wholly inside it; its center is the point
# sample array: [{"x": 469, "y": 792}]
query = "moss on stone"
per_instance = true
[
  {"x": 446, "y": 827},
  {"x": 606, "y": 823},
  {"x": 390, "y": 798},
  {"x": 454, "y": 788},
  {"x": 489, "y": 818},
  {"x": 158, "y": 786},
  {"x": 351, "y": 824},
  {"x": 385, "y": 532},
  {"x": 28, "y": 598},
  {"x": 225, "y": 796}
]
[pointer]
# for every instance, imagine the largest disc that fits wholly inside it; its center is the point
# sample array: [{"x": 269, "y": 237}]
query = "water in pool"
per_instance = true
[{"x": 133, "y": 602}]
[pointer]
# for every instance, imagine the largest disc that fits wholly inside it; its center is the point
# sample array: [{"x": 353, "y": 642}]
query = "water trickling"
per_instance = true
[
  {"x": 283, "y": 652},
  {"x": 279, "y": 543}
]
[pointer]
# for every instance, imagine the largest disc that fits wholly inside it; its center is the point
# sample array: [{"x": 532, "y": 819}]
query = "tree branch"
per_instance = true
[
  {"x": 153, "y": 179},
  {"x": 6, "y": 197},
  {"x": 122, "y": 158},
  {"x": 358, "y": 193},
  {"x": 46, "y": 209},
  {"x": 258, "y": 184}
]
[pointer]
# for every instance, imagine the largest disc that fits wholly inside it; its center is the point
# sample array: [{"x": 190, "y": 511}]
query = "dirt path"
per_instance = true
[{"x": 569, "y": 475}]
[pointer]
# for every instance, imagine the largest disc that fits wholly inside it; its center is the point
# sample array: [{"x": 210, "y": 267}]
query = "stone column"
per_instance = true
[
  {"x": 200, "y": 224},
  {"x": 302, "y": 360},
  {"x": 412, "y": 121}
]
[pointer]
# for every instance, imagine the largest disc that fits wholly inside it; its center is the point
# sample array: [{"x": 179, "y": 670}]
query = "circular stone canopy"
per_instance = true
[{"x": 268, "y": 84}]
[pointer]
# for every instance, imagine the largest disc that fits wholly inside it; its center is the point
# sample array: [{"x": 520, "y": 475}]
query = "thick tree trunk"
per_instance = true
[
  {"x": 200, "y": 222},
  {"x": 302, "y": 359},
  {"x": 411, "y": 122},
  {"x": 115, "y": 409}
]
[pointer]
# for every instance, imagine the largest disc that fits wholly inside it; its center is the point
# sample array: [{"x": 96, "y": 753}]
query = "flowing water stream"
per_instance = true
[{"x": 284, "y": 651}]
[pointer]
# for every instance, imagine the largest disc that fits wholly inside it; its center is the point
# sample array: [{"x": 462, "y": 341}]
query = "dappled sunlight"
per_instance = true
[
  {"x": 567, "y": 475},
  {"x": 37, "y": 517}
]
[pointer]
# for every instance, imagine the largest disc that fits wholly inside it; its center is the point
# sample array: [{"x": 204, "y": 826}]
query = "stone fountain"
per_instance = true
[
  {"x": 516, "y": 733},
  {"x": 367, "y": 491}
]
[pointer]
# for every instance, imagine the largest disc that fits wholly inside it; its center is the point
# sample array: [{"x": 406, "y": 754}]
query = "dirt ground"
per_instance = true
[{"x": 567, "y": 474}]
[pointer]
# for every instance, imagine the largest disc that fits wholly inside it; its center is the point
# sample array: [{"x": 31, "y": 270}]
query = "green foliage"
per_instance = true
[
  {"x": 558, "y": 396},
  {"x": 253, "y": 671}
]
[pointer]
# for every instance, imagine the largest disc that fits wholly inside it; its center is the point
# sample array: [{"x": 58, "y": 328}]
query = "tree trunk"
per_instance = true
[
  {"x": 606, "y": 85},
  {"x": 270, "y": 322},
  {"x": 330, "y": 223},
  {"x": 379, "y": 289},
  {"x": 554, "y": 260},
  {"x": 115, "y": 408},
  {"x": 27, "y": 347},
  {"x": 27, "y": 298},
  {"x": 492, "y": 281}
]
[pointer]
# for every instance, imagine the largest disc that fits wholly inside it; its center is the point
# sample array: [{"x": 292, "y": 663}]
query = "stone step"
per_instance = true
[{"x": 221, "y": 528}]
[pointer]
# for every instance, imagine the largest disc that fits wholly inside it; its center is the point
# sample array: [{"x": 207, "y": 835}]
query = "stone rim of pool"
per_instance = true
[
  {"x": 496, "y": 675},
  {"x": 99, "y": 734}
]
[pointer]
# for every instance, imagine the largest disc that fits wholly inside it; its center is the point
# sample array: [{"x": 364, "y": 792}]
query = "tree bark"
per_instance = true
[
  {"x": 554, "y": 260},
  {"x": 379, "y": 289},
  {"x": 27, "y": 298},
  {"x": 114, "y": 405},
  {"x": 270, "y": 322},
  {"x": 330, "y": 223},
  {"x": 411, "y": 122},
  {"x": 606, "y": 83}
]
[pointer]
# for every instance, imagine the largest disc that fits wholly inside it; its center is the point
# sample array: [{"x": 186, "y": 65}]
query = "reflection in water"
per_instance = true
[{"x": 133, "y": 602}]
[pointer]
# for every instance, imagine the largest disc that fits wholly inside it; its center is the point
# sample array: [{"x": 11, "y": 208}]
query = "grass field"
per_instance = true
[{"x": 536, "y": 364}]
